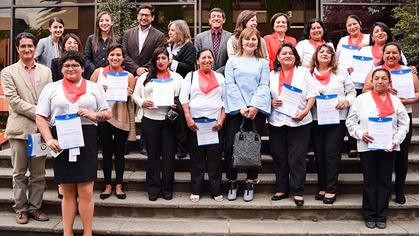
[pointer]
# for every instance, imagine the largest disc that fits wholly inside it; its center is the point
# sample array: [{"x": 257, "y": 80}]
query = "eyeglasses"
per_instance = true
[
  {"x": 68, "y": 66},
  {"x": 144, "y": 15}
]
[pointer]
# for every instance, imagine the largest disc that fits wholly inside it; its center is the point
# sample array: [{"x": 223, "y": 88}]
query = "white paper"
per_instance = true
[
  {"x": 345, "y": 55},
  {"x": 402, "y": 81},
  {"x": 205, "y": 134},
  {"x": 163, "y": 92},
  {"x": 326, "y": 109},
  {"x": 362, "y": 66},
  {"x": 291, "y": 97},
  {"x": 117, "y": 83},
  {"x": 36, "y": 147},
  {"x": 381, "y": 130},
  {"x": 72, "y": 154},
  {"x": 69, "y": 131}
]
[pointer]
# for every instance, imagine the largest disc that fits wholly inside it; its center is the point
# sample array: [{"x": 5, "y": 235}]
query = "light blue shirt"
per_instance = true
[{"x": 247, "y": 84}]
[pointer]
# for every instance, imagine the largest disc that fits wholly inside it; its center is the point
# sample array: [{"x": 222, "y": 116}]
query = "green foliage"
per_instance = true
[
  {"x": 123, "y": 14},
  {"x": 275, "y": 6},
  {"x": 406, "y": 31}
]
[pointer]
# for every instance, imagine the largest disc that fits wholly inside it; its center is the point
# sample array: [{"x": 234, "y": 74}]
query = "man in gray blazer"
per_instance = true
[
  {"x": 22, "y": 84},
  {"x": 140, "y": 42},
  {"x": 215, "y": 39}
]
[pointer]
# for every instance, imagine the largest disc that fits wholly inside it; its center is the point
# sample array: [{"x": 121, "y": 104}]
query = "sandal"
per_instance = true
[
  {"x": 194, "y": 198},
  {"x": 219, "y": 198}
]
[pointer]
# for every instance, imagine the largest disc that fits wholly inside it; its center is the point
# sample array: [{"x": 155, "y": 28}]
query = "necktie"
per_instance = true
[{"x": 216, "y": 43}]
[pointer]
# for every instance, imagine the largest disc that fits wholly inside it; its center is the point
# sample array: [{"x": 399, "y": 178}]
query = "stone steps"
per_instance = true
[{"x": 211, "y": 227}]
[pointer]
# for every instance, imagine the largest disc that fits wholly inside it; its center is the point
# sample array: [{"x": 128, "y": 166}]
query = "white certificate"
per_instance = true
[
  {"x": 381, "y": 129},
  {"x": 117, "y": 83},
  {"x": 69, "y": 131},
  {"x": 327, "y": 113},
  {"x": 402, "y": 81},
  {"x": 163, "y": 92},
  {"x": 291, "y": 97},
  {"x": 205, "y": 134},
  {"x": 346, "y": 53},
  {"x": 362, "y": 66},
  {"x": 36, "y": 147}
]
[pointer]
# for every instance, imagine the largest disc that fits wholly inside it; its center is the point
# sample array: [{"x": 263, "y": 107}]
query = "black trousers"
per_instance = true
[
  {"x": 401, "y": 161},
  {"x": 113, "y": 142},
  {"x": 328, "y": 140},
  {"x": 352, "y": 141},
  {"x": 377, "y": 167},
  {"x": 232, "y": 127},
  {"x": 289, "y": 147},
  {"x": 161, "y": 150},
  {"x": 201, "y": 154}
]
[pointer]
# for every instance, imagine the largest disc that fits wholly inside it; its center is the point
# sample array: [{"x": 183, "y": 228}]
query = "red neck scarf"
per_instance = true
[
  {"x": 315, "y": 44},
  {"x": 358, "y": 41},
  {"x": 384, "y": 107},
  {"x": 72, "y": 92},
  {"x": 285, "y": 79},
  {"x": 376, "y": 54},
  {"x": 109, "y": 68},
  {"x": 325, "y": 78},
  {"x": 207, "y": 83},
  {"x": 398, "y": 67},
  {"x": 165, "y": 75}
]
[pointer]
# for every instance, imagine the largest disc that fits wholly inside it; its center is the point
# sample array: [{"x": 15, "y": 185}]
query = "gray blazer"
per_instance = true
[
  {"x": 204, "y": 40},
  {"x": 46, "y": 50}
]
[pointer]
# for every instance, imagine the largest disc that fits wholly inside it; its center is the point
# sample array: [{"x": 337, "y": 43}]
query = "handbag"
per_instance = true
[{"x": 246, "y": 148}]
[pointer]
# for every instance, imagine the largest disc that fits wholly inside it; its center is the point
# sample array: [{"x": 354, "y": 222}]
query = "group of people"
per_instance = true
[{"x": 233, "y": 80}]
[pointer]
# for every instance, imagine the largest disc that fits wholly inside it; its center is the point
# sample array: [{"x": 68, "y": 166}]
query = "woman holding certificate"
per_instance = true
[
  {"x": 379, "y": 122},
  {"x": 314, "y": 34},
  {"x": 337, "y": 93},
  {"x": 246, "y": 99},
  {"x": 405, "y": 85},
  {"x": 201, "y": 99},
  {"x": 280, "y": 23},
  {"x": 293, "y": 95},
  {"x": 154, "y": 93},
  {"x": 72, "y": 107},
  {"x": 114, "y": 133}
]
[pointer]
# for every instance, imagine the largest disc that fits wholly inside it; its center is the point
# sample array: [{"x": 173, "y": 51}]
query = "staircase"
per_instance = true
[{"x": 136, "y": 215}]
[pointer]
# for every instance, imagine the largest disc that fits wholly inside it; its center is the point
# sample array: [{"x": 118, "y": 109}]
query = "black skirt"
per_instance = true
[{"x": 85, "y": 169}]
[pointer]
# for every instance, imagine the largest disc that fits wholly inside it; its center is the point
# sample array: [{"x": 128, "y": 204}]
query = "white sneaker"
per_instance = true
[
  {"x": 232, "y": 191},
  {"x": 248, "y": 191}
]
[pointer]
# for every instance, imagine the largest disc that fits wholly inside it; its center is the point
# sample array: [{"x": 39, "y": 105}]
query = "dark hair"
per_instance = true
[
  {"x": 307, "y": 27},
  {"x": 114, "y": 46},
  {"x": 72, "y": 55},
  {"x": 355, "y": 17},
  {"x": 314, "y": 63},
  {"x": 152, "y": 71},
  {"x": 385, "y": 28},
  {"x": 216, "y": 9},
  {"x": 381, "y": 69},
  {"x": 67, "y": 37},
  {"x": 27, "y": 36},
  {"x": 241, "y": 22},
  {"x": 277, "y": 65},
  {"x": 398, "y": 48},
  {"x": 98, "y": 35},
  {"x": 146, "y": 6},
  {"x": 55, "y": 19},
  {"x": 274, "y": 17},
  {"x": 198, "y": 53}
]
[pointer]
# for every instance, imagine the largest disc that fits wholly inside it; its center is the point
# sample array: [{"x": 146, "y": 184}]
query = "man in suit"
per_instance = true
[
  {"x": 215, "y": 39},
  {"x": 140, "y": 42},
  {"x": 22, "y": 84}
]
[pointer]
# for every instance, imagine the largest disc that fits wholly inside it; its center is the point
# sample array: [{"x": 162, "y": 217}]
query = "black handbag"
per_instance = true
[{"x": 246, "y": 148}]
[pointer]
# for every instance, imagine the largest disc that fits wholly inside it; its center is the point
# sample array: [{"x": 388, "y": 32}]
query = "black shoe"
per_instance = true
[
  {"x": 329, "y": 200},
  {"x": 352, "y": 154},
  {"x": 401, "y": 199},
  {"x": 299, "y": 203},
  {"x": 103, "y": 196},
  {"x": 121, "y": 195},
  {"x": 319, "y": 197},
  {"x": 370, "y": 224},
  {"x": 168, "y": 196},
  {"x": 152, "y": 198},
  {"x": 279, "y": 197},
  {"x": 381, "y": 225}
]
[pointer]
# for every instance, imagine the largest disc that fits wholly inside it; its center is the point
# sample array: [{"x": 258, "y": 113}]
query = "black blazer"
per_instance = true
[
  {"x": 186, "y": 58},
  {"x": 56, "y": 70}
]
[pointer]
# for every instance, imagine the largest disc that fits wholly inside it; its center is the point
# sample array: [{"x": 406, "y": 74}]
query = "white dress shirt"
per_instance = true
[
  {"x": 142, "y": 35},
  {"x": 306, "y": 50}
]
